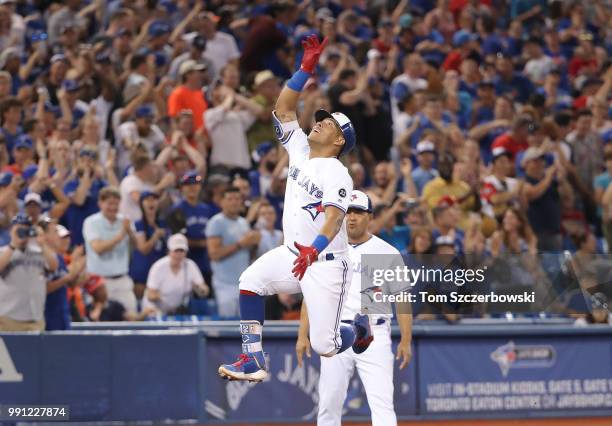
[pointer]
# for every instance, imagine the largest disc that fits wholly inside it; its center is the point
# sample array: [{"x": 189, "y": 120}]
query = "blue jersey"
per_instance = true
[
  {"x": 57, "y": 311},
  {"x": 141, "y": 263},
  {"x": 75, "y": 215},
  {"x": 196, "y": 219}
]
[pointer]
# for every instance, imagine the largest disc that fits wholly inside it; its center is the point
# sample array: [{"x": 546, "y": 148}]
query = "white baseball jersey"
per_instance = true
[
  {"x": 312, "y": 184},
  {"x": 373, "y": 246},
  {"x": 375, "y": 365}
]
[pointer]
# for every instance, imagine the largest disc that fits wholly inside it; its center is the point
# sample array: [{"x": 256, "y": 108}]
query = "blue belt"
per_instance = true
[{"x": 379, "y": 321}]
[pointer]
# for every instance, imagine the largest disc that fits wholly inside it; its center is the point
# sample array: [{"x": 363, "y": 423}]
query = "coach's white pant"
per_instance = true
[
  {"x": 375, "y": 368},
  {"x": 226, "y": 296},
  {"x": 325, "y": 286},
  {"x": 122, "y": 290}
]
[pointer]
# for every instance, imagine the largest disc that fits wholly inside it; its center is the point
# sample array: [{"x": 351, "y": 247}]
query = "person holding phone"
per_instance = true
[{"x": 24, "y": 264}]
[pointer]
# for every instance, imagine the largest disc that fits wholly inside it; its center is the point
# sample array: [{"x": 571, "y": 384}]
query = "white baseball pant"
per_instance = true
[
  {"x": 325, "y": 286},
  {"x": 375, "y": 368}
]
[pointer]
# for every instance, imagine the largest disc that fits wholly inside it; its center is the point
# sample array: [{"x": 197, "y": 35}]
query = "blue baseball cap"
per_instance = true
[
  {"x": 58, "y": 57},
  {"x": 345, "y": 125},
  {"x": 21, "y": 219},
  {"x": 56, "y": 110},
  {"x": 29, "y": 172},
  {"x": 461, "y": 37},
  {"x": 169, "y": 5},
  {"x": 261, "y": 150},
  {"x": 190, "y": 178},
  {"x": 38, "y": 36},
  {"x": 147, "y": 194},
  {"x": 71, "y": 85},
  {"x": 24, "y": 141},
  {"x": 144, "y": 111},
  {"x": 6, "y": 178},
  {"x": 158, "y": 28},
  {"x": 103, "y": 57}
]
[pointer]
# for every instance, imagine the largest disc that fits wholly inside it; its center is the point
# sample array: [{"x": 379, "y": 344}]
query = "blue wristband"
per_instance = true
[
  {"x": 320, "y": 243},
  {"x": 298, "y": 80}
]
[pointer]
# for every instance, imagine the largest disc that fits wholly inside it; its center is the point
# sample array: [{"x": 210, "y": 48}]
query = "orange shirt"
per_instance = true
[{"x": 183, "y": 98}]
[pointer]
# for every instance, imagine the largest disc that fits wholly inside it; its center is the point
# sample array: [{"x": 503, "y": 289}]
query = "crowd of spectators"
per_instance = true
[{"x": 141, "y": 174}]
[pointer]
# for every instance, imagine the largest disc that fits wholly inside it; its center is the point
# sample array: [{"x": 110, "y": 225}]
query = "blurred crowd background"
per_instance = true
[{"x": 141, "y": 174}]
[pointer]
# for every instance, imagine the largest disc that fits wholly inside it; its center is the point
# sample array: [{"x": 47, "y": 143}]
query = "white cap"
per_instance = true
[
  {"x": 373, "y": 54},
  {"x": 360, "y": 201},
  {"x": 178, "y": 242},
  {"x": 62, "y": 231},
  {"x": 191, "y": 65},
  {"x": 32, "y": 197},
  {"x": 425, "y": 146},
  {"x": 262, "y": 77}
]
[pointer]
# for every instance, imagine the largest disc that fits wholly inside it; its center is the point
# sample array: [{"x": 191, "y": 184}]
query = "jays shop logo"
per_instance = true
[
  {"x": 8, "y": 372},
  {"x": 511, "y": 355}
]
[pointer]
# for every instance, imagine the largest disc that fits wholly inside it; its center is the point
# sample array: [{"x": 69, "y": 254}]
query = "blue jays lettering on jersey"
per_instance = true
[
  {"x": 141, "y": 263},
  {"x": 57, "y": 311},
  {"x": 196, "y": 218},
  {"x": 75, "y": 215},
  {"x": 312, "y": 185}
]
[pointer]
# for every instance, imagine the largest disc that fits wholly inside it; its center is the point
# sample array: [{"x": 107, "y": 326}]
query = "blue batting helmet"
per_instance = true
[{"x": 348, "y": 131}]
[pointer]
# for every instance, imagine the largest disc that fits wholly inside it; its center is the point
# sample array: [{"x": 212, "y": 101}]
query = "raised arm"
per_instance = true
[{"x": 286, "y": 104}]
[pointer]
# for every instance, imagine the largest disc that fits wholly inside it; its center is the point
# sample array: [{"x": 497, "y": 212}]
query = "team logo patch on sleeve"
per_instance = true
[
  {"x": 278, "y": 131},
  {"x": 342, "y": 192}
]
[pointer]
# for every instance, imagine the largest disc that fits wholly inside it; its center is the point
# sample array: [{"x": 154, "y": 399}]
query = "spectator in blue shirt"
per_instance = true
[
  {"x": 10, "y": 116},
  {"x": 425, "y": 171},
  {"x": 57, "y": 310},
  {"x": 150, "y": 235},
  {"x": 510, "y": 82},
  {"x": 230, "y": 240},
  {"x": 83, "y": 194},
  {"x": 190, "y": 215}
]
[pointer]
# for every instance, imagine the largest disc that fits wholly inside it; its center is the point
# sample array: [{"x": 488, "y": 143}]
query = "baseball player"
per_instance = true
[
  {"x": 375, "y": 366},
  {"x": 314, "y": 258}
]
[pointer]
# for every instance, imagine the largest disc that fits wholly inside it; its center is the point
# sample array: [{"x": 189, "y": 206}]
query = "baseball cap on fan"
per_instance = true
[
  {"x": 178, "y": 242},
  {"x": 345, "y": 125},
  {"x": 191, "y": 65},
  {"x": 360, "y": 201}
]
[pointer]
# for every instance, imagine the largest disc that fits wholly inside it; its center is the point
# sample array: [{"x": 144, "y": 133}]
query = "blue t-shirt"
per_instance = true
[
  {"x": 141, "y": 263},
  {"x": 196, "y": 219},
  {"x": 75, "y": 215},
  {"x": 492, "y": 44},
  {"x": 398, "y": 237},
  {"x": 544, "y": 212},
  {"x": 421, "y": 177},
  {"x": 459, "y": 237},
  {"x": 57, "y": 311},
  {"x": 227, "y": 270},
  {"x": 486, "y": 141},
  {"x": 518, "y": 87},
  {"x": 10, "y": 139},
  {"x": 602, "y": 181},
  {"x": 278, "y": 202}
]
